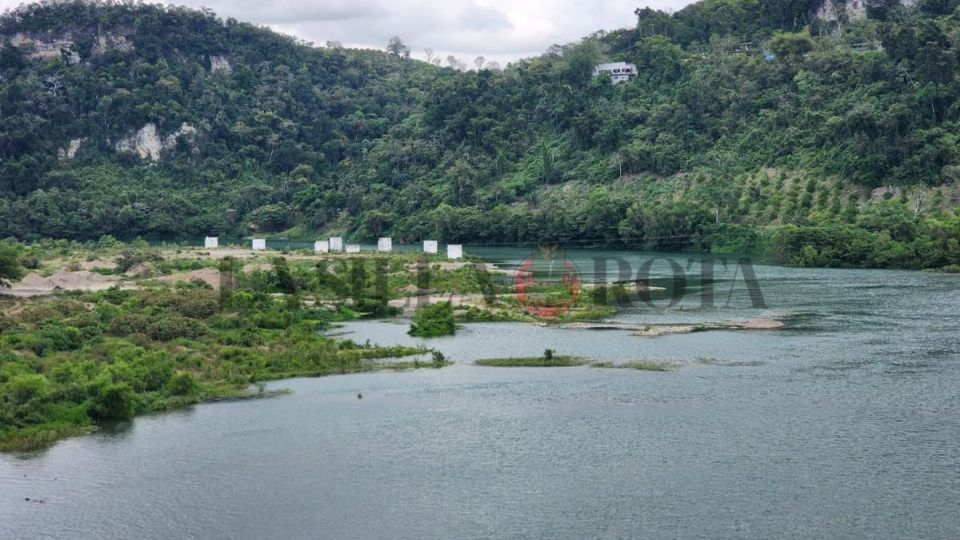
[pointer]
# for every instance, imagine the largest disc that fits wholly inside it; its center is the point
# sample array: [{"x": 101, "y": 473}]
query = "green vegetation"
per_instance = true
[
  {"x": 437, "y": 362},
  {"x": 714, "y": 146},
  {"x": 71, "y": 360},
  {"x": 433, "y": 320},
  {"x": 10, "y": 267},
  {"x": 549, "y": 359}
]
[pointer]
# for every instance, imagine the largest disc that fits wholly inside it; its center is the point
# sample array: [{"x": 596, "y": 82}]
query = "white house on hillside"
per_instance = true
[{"x": 617, "y": 71}]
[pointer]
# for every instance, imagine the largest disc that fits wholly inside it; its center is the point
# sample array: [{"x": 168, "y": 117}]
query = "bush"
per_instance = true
[
  {"x": 52, "y": 338},
  {"x": 434, "y": 320},
  {"x": 373, "y": 307},
  {"x": 23, "y": 388},
  {"x": 171, "y": 327},
  {"x": 113, "y": 401},
  {"x": 197, "y": 304},
  {"x": 182, "y": 384},
  {"x": 129, "y": 323},
  {"x": 128, "y": 259}
]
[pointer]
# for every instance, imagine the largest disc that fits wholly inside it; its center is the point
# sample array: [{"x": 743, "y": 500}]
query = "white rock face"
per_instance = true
[
  {"x": 849, "y": 10},
  {"x": 110, "y": 41},
  {"x": 70, "y": 151},
  {"x": 39, "y": 48},
  {"x": 833, "y": 10},
  {"x": 44, "y": 46},
  {"x": 147, "y": 144},
  {"x": 220, "y": 64},
  {"x": 185, "y": 130},
  {"x": 144, "y": 142}
]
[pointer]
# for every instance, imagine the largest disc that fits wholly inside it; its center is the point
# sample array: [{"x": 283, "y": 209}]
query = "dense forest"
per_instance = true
[{"x": 754, "y": 125}]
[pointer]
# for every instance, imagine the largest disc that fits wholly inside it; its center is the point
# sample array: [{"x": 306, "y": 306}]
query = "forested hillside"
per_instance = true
[{"x": 807, "y": 131}]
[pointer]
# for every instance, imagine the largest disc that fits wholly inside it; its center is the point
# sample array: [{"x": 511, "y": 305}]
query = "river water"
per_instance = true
[{"x": 843, "y": 424}]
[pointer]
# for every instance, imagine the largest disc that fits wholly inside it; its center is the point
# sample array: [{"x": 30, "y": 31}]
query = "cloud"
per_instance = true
[
  {"x": 502, "y": 30},
  {"x": 478, "y": 18},
  {"x": 294, "y": 11}
]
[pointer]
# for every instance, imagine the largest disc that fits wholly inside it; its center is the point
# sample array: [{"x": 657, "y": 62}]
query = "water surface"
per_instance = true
[{"x": 844, "y": 424}]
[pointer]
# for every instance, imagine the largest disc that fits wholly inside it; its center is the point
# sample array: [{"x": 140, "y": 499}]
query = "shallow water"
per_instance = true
[{"x": 846, "y": 423}]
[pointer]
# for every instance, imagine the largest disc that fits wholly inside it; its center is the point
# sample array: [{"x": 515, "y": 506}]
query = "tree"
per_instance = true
[
  {"x": 271, "y": 218},
  {"x": 579, "y": 61},
  {"x": 282, "y": 278},
  {"x": 10, "y": 267},
  {"x": 478, "y": 62},
  {"x": 113, "y": 401},
  {"x": 455, "y": 63},
  {"x": 396, "y": 47},
  {"x": 790, "y": 45},
  {"x": 891, "y": 216}
]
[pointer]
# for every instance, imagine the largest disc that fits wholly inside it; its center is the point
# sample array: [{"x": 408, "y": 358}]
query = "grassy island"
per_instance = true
[{"x": 549, "y": 359}]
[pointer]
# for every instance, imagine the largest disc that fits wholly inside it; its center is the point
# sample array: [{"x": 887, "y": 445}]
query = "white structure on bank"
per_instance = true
[
  {"x": 617, "y": 71},
  {"x": 454, "y": 251},
  {"x": 259, "y": 243},
  {"x": 211, "y": 242},
  {"x": 385, "y": 245},
  {"x": 321, "y": 246},
  {"x": 336, "y": 243},
  {"x": 429, "y": 246},
  {"x": 353, "y": 248}
]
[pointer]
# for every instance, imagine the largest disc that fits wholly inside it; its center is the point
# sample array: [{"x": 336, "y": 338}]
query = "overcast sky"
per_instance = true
[{"x": 501, "y": 30}]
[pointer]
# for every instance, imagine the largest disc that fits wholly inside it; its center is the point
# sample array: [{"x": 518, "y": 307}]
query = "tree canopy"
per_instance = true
[{"x": 753, "y": 112}]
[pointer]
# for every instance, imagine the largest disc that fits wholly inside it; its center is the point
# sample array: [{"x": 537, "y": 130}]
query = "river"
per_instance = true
[{"x": 843, "y": 424}]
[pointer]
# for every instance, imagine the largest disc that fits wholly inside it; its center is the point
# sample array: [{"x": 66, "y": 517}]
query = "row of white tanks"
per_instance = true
[{"x": 335, "y": 244}]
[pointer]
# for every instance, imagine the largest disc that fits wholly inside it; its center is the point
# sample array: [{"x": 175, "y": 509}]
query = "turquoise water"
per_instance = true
[{"x": 844, "y": 424}]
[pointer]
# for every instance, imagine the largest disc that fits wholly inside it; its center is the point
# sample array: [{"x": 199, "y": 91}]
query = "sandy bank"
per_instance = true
[{"x": 36, "y": 285}]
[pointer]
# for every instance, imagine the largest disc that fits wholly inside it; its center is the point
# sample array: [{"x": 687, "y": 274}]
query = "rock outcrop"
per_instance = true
[
  {"x": 147, "y": 144},
  {"x": 220, "y": 64},
  {"x": 70, "y": 151},
  {"x": 42, "y": 46}
]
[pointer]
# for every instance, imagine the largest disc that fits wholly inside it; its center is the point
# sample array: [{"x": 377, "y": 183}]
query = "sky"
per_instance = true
[{"x": 500, "y": 30}]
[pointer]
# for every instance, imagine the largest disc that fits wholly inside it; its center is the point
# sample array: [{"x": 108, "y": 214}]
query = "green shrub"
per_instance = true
[
  {"x": 113, "y": 401},
  {"x": 52, "y": 338},
  {"x": 433, "y": 320},
  {"x": 182, "y": 384},
  {"x": 129, "y": 323},
  {"x": 24, "y": 388},
  {"x": 171, "y": 327},
  {"x": 197, "y": 304}
]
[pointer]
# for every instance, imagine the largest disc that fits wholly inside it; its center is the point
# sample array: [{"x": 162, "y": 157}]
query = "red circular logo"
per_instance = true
[{"x": 547, "y": 283}]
